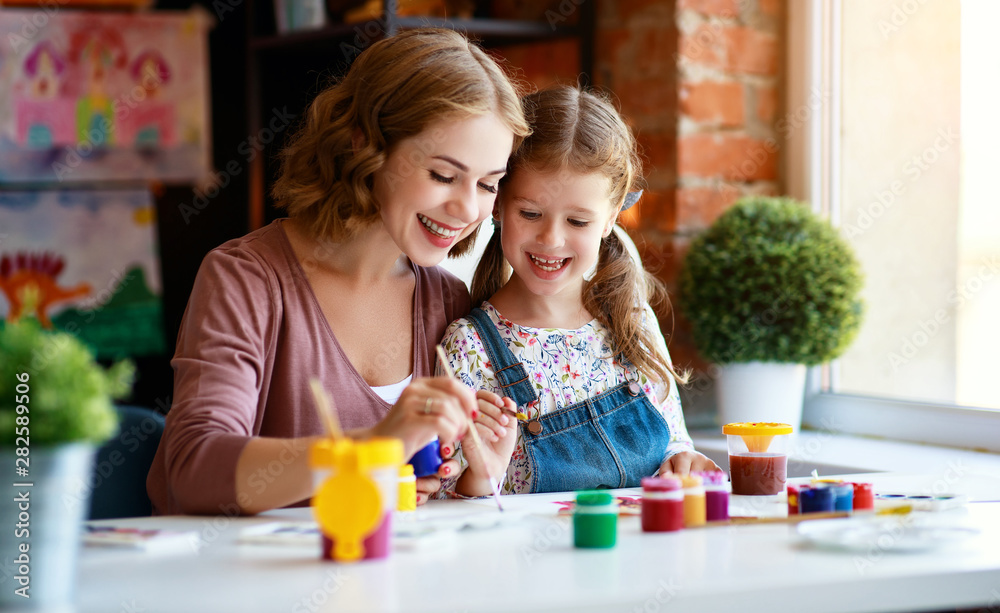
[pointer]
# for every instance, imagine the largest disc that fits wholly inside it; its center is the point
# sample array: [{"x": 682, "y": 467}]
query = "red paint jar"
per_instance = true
[
  {"x": 662, "y": 504},
  {"x": 793, "y": 498},
  {"x": 864, "y": 497}
]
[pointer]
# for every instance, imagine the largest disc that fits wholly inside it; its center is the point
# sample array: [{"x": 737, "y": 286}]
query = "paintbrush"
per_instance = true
[
  {"x": 326, "y": 409},
  {"x": 472, "y": 429}
]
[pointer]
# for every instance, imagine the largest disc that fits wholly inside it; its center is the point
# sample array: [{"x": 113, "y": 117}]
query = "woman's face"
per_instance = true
[{"x": 436, "y": 187}]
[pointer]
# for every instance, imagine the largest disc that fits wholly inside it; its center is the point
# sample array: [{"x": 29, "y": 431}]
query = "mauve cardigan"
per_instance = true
[{"x": 252, "y": 336}]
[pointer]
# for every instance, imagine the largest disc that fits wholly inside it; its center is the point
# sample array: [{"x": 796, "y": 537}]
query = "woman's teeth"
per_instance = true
[
  {"x": 436, "y": 229},
  {"x": 548, "y": 265}
]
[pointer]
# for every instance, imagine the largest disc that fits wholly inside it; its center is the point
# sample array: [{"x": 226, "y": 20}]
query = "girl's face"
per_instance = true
[
  {"x": 436, "y": 187},
  {"x": 552, "y": 224}
]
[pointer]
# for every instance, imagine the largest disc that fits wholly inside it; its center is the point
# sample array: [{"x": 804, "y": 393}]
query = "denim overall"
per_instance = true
[{"x": 609, "y": 441}]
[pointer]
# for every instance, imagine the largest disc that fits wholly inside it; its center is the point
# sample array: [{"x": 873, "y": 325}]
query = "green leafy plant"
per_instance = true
[
  {"x": 770, "y": 281},
  {"x": 68, "y": 393}
]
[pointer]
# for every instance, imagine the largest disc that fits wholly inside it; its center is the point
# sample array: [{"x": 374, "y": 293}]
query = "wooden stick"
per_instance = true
[
  {"x": 326, "y": 409},
  {"x": 801, "y": 517}
]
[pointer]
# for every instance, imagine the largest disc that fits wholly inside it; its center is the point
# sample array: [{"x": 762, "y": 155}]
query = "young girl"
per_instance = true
[
  {"x": 394, "y": 166},
  {"x": 582, "y": 357}
]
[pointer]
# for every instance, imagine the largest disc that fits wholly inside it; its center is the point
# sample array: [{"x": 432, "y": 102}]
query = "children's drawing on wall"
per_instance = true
[
  {"x": 104, "y": 96},
  {"x": 85, "y": 262}
]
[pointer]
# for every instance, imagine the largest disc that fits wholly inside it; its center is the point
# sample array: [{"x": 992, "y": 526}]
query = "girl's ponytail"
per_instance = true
[
  {"x": 492, "y": 272},
  {"x": 617, "y": 295}
]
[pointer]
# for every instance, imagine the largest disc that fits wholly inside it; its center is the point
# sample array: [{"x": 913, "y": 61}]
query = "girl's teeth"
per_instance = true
[
  {"x": 436, "y": 229},
  {"x": 548, "y": 265}
]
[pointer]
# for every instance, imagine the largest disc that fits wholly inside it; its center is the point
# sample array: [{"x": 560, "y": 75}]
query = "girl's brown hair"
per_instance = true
[
  {"x": 581, "y": 132},
  {"x": 394, "y": 90}
]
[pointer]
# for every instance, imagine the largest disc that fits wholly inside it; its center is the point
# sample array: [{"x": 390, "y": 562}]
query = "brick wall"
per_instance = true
[{"x": 699, "y": 82}]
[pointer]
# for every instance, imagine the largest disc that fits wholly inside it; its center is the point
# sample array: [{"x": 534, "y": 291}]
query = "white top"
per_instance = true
[{"x": 391, "y": 393}]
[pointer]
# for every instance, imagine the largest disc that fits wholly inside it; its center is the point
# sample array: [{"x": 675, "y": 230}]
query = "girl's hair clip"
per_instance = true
[{"x": 631, "y": 198}]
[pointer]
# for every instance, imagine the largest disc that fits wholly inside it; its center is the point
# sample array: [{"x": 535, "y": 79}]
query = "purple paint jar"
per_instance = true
[{"x": 716, "y": 495}]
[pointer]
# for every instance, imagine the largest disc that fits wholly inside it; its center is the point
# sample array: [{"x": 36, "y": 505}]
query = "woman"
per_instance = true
[{"x": 394, "y": 167}]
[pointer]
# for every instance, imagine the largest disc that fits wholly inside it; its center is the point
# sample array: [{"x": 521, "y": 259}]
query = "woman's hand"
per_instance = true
[
  {"x": 686, "y": 461},
  {"x": 498, "y": 432},
  {"x": 429, "y": 408}
]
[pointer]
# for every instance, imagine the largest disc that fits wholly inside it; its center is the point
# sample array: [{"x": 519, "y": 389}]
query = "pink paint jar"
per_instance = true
[{"x": 716, "y": 495}]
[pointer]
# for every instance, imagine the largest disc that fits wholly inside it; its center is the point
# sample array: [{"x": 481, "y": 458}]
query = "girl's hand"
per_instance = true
[
  {"x": 686, "y": 461},
  {"x": 498, "y": 432},
  {"x": 432, "y": 407}
]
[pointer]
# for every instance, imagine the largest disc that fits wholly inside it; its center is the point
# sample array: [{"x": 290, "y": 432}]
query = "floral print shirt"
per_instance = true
[{"x": 565, "y": 367}]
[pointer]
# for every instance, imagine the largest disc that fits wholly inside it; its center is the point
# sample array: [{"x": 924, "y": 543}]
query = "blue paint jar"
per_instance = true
[
  {"x": 816, "y": 499},
  {"x": 427, "y": 461},
  {"x": 843, "y": 496}
]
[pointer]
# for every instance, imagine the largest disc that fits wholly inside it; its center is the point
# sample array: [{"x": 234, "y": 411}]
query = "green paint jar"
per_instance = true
[{"x": 595, "y": 520}]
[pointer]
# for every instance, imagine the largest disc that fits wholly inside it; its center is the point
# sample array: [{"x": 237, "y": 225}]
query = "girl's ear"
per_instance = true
[{"x": 611, "y": 223}]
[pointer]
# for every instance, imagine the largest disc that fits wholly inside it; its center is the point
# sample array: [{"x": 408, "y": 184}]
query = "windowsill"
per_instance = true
[{"x": 949, "y": 470}]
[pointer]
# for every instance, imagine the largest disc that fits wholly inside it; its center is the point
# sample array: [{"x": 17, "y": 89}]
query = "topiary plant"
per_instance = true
[
  {"x": 68, "y": 394},
  {"x": 770, "y": 281}
]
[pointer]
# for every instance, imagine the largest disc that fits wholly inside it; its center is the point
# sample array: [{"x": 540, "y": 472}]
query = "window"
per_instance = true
[{"x": 897, "y": 100}]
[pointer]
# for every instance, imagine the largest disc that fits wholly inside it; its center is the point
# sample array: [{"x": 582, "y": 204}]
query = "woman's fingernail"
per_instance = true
[
  {"x": 475, "y": 414},
  {"x": 446, "y": 470},
  {"x": 446, "y": 451},
  {"x": 503, "y": 420}
]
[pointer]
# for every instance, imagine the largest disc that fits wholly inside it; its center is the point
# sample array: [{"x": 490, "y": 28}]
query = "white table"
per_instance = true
[{"x": 530, "y": 565}]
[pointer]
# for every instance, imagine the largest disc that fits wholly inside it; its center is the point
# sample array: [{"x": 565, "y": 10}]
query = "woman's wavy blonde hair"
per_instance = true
[
  {"x": 394, "y": 90},
  {"x": 581, "y": 131}
]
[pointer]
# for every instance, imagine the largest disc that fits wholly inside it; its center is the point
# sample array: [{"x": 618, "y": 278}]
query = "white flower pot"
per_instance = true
[
  {"x": 55, "y": 515},
  {"x": 761, "y": 391}
]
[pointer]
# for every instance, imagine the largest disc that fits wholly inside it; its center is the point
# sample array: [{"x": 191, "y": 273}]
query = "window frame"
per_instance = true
[{"x": 812, "y": 173}]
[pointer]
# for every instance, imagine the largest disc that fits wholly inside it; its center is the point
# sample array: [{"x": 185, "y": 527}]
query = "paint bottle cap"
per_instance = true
[
  {"x": 427, "y": 461},
  {"x": 406, "y": 471},
  {"x": 711, "y": 477},
  {"x": 660, "y": 484},
  {"x": 757, "y": 428},
  {"x": 593, "y": 499},
  {"x": 325, "y": 452},
  {"x": 380, "y": 452},
  {"x": 691, "y": 481}
]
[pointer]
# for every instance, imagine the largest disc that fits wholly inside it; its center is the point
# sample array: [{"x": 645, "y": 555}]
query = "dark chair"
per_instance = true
[{"x": 121, "y": 465}]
